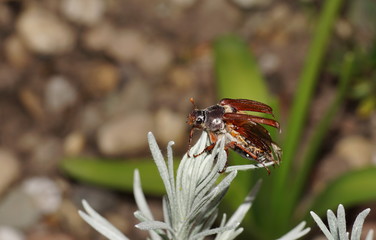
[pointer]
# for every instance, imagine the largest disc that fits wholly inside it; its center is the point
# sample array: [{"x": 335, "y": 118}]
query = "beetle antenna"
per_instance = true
[{"x": 193, "y": 102}]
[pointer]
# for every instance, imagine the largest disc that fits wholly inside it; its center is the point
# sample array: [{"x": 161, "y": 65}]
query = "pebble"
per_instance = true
[
  {"x": 269, "y": 63},
  {"x": 59, "y": 94},
  {"x": 85, "y": 12},
  {"x": 180, "y": 78},
  {"x": 91, "y": 118},
  {"x": 100, "y": 78},
  {"x": 136, "y": 95},
  {"x": 18, "y": 210},
  {"x": 351, "y": 152},
  {"x": 332, "y": 167},
  {"x": 356, "y": 150},
  {"x": 68, "y": 216},
  {"x": 32, "y": 103},
  {"x": 44, "y": 33},
  {"x": 9, "y": 171},
  {"x": 99, "y": 36},
  {"x": 170, "y": 126},
  {"x": 16, "y": 53},
  {"x": 126, "y": 45},
  {"x": 126, "y": 134},
  {"x": 100, "y": 199},
  {"x": 210, "y": 27},
  {"x": 10, "y": 233},
  {"x": 155, "y": 58},
  {"x": 44, "y": 192},
  {"x": 46, "y": 155},
  {"x": 74, "y": 143},
  {"x": 344, "y": 29}
]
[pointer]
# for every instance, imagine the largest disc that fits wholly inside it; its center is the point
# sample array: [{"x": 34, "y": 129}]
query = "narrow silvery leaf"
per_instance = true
[
  {"x": 205, "y": 186},
  {"x": 296, "y": 233},
  {"x": 341, "y": 221},
  {"x": 222, "y": 186},
  {"x": 358, "y": 224},
  {"x": 322, "y": 226},
  {"x": 152, "y": 225},
  {"x": 214, "y": 231},
  {"x": 142, "y": 218},
  {"x": 166, "y": 207},
  {"x": 100, "y": 224},
  {"x": 235, "y": 234},
  {"x": 223, "y": 221},
  {"x": 211, "y": 219},
  {"x": 170, "y": 165},
  {"x": 239, "y": 214},
  {"x": 225, "y": 183},
  {"x": 245, "y": 206},
  {"x": 222, "y": 156},
  {"x": 103, "y": 229},
  {"x": 160, "y": 162},
  {"x": 332, "y": 222},
  {"x": 248, "y": 167},
  {"x": 140, "y": 197},
  {"x": 183, "y": 178},
  {"x": 338, "y": 225},
  {"x": 369, "y": 235},
  {"x": 98, "y": 218}
]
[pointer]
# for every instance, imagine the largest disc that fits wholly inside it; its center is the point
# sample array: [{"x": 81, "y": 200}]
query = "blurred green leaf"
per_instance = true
[
  {"x": 116, "y": 175},
  {"x": 237, "y": 72},
  {"x": 321, "y": 130},
  {"x": 298, "y": 114},
  {"x": 352, "y": 188}
]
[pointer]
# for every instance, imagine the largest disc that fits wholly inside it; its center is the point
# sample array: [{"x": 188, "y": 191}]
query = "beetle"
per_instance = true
[{"x": 243, "y": 132}]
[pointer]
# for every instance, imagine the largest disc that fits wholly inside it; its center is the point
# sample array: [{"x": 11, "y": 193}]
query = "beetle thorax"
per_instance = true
[
  {"x": 214, "y": 119},
  {"x": 215, "y": 124}
]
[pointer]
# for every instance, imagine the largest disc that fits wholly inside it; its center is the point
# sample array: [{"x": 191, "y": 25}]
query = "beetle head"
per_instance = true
[{"x": 196, "y": 118}]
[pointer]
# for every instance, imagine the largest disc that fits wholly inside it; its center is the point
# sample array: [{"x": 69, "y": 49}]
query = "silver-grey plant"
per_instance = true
[
  {"x": 190, "y": 206},
  {"x": 337, "y": 225}
]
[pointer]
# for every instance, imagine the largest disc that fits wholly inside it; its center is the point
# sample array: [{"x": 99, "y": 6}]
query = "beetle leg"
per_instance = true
[{"x": 207, "y": 149}]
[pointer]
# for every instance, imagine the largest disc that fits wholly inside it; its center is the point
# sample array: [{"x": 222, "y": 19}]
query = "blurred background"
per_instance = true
[{"x": 83, "y": 81}]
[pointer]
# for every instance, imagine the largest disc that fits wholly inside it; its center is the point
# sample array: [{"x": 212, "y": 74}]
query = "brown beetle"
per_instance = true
[{"x": 243, "y": 132}]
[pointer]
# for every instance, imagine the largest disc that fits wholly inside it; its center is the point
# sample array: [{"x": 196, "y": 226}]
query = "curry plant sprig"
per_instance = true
[
  {"x": 337, "y": 225},
  {"x": 190, "y": 206}
]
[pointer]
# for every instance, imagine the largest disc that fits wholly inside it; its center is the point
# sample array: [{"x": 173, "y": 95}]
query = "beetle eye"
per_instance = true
[{"x": 199, "y": 119}]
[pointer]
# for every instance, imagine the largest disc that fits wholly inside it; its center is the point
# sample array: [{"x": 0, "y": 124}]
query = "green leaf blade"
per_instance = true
[
  {"x": 352, "y": 188},
  {"x": 237, "y": 72},
  {"x": 117, "y": 175}
]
